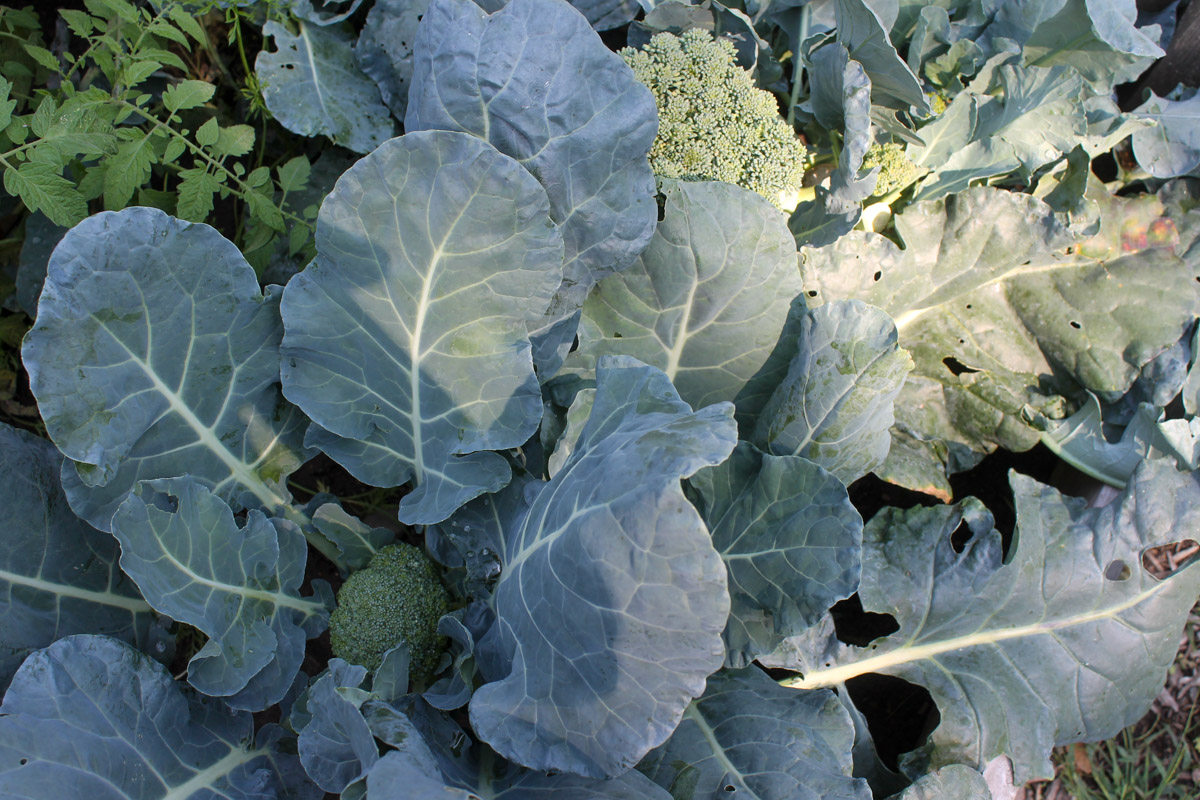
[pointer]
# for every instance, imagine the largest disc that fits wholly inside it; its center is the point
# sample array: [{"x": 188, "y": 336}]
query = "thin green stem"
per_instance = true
[
  {"x": 237, "y": 34},
  {"x": 202, "y": 154},
  {"x": 798, "y": 63}
]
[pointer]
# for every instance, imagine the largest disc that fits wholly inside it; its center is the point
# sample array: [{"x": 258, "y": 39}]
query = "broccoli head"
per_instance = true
[
  {"x": 896, "y": 171},
  {"x": 713, "y": 123},
  {"x": 396, "y": 598}
]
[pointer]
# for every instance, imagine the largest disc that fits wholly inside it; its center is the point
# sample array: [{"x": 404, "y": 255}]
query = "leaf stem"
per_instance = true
[{"x": 798, "y": 62}]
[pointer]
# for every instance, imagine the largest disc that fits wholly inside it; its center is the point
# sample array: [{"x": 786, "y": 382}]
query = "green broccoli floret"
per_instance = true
[
  {"x": 713, "y": 123},
  {"x": 396, "y": 598},
  {"x": 896, "y": 171}
]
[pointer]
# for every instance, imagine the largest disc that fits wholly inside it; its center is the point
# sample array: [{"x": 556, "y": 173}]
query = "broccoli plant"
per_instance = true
[
  {"x": 713, "y": 123},
  {"x": 396, "y": 598}
]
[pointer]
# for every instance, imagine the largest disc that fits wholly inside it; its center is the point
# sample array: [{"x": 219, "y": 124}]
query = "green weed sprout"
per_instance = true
[
  {"x": 398, "y": 597},
  {"x": 713, "y": 122}
]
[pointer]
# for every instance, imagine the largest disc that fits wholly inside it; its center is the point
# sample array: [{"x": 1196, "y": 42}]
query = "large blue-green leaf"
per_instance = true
[
  {"x": 405, "y": 339},
  {"x": 1028, "y": 118},
  {"x": 863, "y": 34},
  {"x": 41, "y": 237},
  {"x": 573, "y": 421},
  {"x": 1172, "y": 147},
  {"x": 604, "y": 15},
  {"x": 536, "y": 81},
  {"x": 952, "y": 782},
  {"x": 434, "y": 758},
  {"x": 999, "y": 317},
  {"x": 58, "y": 575},
  {"x": 384, "y": 49},
  {"x": 304, "y": 9},
  {"x": 790, "y": 539},
  {"x": 312, "y": 86},
  {"x": 356, "y": 542},
  {"x": 239, "y": 584},
  {"x": 706, "y": 301},
  {"x": 92, "y": 717},
  {"x": 841, "y": 100},
  {"x": 155, "y": 353},
  {"x": 1066, "y": 639},
  {"x": 749, "y": 737},
  {"x": 612, "y": 599},
  {"x": 336, "y": 746},
  {"x": 836, "y": 404},
  {"x": 1096, "y": 37},
  {"x": 762, "y": 385},
  {"x": 1086, "y": 441}
]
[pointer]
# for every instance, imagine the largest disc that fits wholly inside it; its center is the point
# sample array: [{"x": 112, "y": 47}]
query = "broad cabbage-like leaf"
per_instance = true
[
  {"x": 434, "y": 758},
  {"x": 454, "y": 689},
  {"x": 612, "y": 599},
  {"x": 1096, "y": 37},
  {"x": 336, "y": 746},
  {"x": 758, "y": 390},
  {"x": 474, "y": 537},
  {"x": 999, "y": 318},
  {"x": 953, "y": 782},
  {"x": 750, "y": 737},
  {"x": 91, "y": 717},
  {"x": 790, "y": 539},
  {"x": 41, "y": 237},
  {"x": 384, "y": 49},
  {"x": 58, "y": 575},
  {"x": 705, "y": 302},
  {"x": 864, "y": 36},
  {"x": 536, "y": 81},
  {"x": 239, "y": 584},
  {"x": 1066, "y": 639},
  {"x": 1028, "y": 118},
  {"x": 1083, "y": 442},
  {"x": 405, "y": 340},
  {"x": 836, "y": 404},
  {"x": 312, "y": 86},
  {"x": 155, "y": 353},
  {"x": 575, "y": 418},
  {"x": 356, "y": 542},
  {"x": 304, "y": 9},
  {"x": 841, "y": 100},
  {"x": 604, "y": 15},
  {"x": 1172, "y": 146}
]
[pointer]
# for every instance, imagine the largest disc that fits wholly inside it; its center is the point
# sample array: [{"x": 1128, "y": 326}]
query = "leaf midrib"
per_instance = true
[
  {"x": 131, "y": 604},
  {"x": 903, "y": 320},
  {"x": 906, "y": 655},
  {"x": 718, "y": 750},
  {"x": 239, "y": 469}
]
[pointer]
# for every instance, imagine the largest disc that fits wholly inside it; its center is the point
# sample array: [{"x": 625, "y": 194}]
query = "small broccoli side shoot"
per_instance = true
[
  {"x": 896, "y": 171},
  {"x": 396, "y": 598},
  {"x": 713, "y": 123}
]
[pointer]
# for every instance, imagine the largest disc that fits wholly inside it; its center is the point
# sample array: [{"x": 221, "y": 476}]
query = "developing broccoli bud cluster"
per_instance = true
[
  {"x": 713, "y": 123},
  {"x": 398, "y": 597},
  {"x": 896, "y": 171}
]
